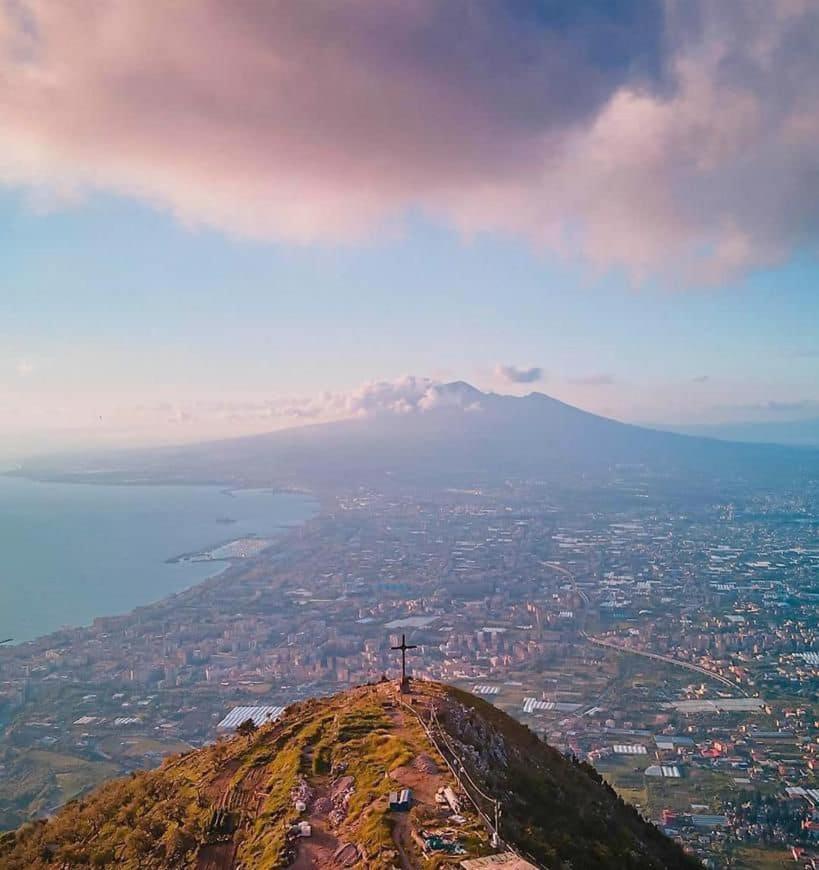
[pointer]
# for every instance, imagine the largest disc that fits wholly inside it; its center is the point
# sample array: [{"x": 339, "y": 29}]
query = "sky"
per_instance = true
[{"x": 613, "y": 203}]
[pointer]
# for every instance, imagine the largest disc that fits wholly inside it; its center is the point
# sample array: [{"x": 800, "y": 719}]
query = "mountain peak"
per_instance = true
[
  {"x": 461, "y": 387},
  {"x": 368, "y": 778},
  {"x": 441, "y": 435}
]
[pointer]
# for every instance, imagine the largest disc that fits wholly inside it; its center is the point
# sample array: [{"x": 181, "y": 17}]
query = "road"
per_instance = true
[
  {"x": 671, "y": 661},
  {"x": 731, "y": 684}
]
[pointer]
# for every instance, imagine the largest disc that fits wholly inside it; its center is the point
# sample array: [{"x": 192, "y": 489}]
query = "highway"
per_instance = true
[
  {"x": 671, "y": 661},
  {"x": 731, "y": 684}
]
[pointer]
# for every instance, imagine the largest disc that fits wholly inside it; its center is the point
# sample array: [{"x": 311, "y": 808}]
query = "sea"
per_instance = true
[{"x": 70, "y": 552}]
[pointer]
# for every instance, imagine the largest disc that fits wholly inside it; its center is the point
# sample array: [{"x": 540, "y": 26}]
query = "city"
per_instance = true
[{"x": 673, "y": 646}]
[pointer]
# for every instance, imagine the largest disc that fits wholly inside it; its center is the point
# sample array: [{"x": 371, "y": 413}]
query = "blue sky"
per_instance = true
[
  {"x": 158, "y": 289},
  {"x": 110, "y": 299}
]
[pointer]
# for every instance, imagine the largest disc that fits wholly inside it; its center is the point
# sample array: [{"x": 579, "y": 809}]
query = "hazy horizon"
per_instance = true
[
  {"x": 612, "y": 203},
  {"x": 407, "y": 395}
]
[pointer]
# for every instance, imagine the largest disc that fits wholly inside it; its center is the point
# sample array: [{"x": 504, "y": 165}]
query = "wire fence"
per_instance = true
[{"x": 459, "y": 771}]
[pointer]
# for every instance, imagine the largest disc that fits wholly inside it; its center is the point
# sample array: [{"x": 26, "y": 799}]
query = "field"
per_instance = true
[
  {"x": 38, "y": 781},
  {"x": 759, "y": 858},
  {"x": 138, "y": 747}
]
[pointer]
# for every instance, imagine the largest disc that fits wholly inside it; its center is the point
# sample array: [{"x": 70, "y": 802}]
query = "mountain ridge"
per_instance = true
[
  {"x": 337, "y": 764},
  {"x": 789, "y": 433},
  {"x": 460, "y": 434}
]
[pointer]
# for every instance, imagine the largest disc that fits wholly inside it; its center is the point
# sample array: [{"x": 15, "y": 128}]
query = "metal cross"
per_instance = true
[{"x": 404, "y": 646}]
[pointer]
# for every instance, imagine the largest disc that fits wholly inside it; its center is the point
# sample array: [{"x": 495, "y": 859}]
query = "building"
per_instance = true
[{"x": 258, "y": 715}]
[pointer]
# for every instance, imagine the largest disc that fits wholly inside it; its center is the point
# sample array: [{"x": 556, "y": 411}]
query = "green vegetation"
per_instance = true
[
  {"x": 37, "y": 780},
  {"x": 150, "y": 820},
  {"x": 761, "y": 858},
  {"x": 355, "y": 739},
  {"x": 349, "y": 752},
  {"x": 557, "y": 810}
]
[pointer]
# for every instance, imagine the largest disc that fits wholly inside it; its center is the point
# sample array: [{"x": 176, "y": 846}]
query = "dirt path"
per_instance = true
[
  {"x": 242, "y": 800},
  {"x": 316, "y": 851},
  {"x": 216, "y": 856},
  {"x": 403, "y": 840},
  {"x": 423, "y": 785},
  {"x": 330, "y": 847}
]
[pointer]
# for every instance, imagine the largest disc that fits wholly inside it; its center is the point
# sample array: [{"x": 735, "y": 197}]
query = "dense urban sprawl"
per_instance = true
[{"x": 671, "y": 640}]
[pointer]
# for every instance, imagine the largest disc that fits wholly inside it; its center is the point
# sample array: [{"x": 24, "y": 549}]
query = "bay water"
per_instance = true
[{"x": 70, "y": 552}]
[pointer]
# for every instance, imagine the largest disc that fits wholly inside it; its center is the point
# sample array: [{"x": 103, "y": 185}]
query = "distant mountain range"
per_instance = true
[
  {"x": 795, "y": 433},
  {"x": 464, "y": 436}
]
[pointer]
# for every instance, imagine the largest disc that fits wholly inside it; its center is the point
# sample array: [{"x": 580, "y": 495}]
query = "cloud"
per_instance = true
[
  {"x": 407, "y": 395},
  {"x": 701, "y": 379},
  {"x": 515, "y": 375},
  {"x": 24, "y": 368},
  {"x": 600, "y": 380},
  {"x": 672, "y": 136}
]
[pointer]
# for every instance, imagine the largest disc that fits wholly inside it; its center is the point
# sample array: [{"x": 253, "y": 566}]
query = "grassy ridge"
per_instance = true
[{"x": 561, "y": 813}]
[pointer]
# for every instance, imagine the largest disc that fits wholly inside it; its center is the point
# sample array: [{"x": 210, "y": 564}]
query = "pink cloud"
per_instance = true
[
  {"x": 672, "y": 137},
  {"x": 406, "y": 395}
]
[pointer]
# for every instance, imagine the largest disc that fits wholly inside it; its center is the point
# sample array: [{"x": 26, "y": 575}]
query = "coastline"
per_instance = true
[{"x": 134, "y": 564}]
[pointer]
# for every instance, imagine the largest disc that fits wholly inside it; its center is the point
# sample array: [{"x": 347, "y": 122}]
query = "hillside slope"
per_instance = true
[{"x": 333, "y": 763}]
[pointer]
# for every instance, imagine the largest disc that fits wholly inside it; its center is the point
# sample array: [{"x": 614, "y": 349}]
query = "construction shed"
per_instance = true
[{"x": 400, "y": 801}]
